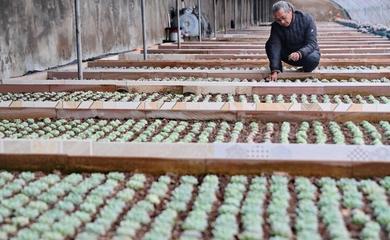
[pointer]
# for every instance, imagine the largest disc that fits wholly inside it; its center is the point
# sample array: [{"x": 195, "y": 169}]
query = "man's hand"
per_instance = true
[
  {"x": 295, "y": 56},
  {"x": 273, "y": 76}
]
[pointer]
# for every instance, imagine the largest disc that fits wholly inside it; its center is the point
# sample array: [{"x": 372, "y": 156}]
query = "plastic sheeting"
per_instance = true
[{"x": 364, "y": 11}]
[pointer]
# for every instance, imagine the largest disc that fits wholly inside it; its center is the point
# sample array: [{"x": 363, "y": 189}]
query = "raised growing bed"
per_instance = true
[
  {"x": 323, "y": 69},
  {"x": 171, "y": 131},
  {"x": 125, "y": 74},
  {"x": 191, "y": 97},
  {"x": 236, "y": 63},
  {"x": 139, "y": 206}
]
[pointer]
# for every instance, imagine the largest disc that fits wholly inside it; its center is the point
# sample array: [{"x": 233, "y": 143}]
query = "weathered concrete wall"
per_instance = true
[
  {"x": 39, "y": 34},
  {"x": 372, "y": 12},
  {"x": 25, "y": 28},
  {"x": 36, "y": 35},
  {"x": 322, "y": 10}
]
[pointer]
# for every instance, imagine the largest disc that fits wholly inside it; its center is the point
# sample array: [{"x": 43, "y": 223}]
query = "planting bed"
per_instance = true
[
  {"x": 308, "y": 80},
  {"x": 171, "y": 131},
  {"x": 119, "y": 206},
  {"x": 286, "y": 68},
  {"x": 212, "y": 79},
  {"x": 190, "y": 97}
]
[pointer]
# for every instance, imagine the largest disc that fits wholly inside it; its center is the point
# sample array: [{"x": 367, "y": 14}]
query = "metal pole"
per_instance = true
[
  {"x": 241, "y": 11},
  {"x": 250, "y": 12},
  {"x": 244, "y": 13},
  {"x": 78, "y": 40},
  {"x": 178, "y": 24},
  {"x": 259, "y": 9},
  {"x": 215, "y": 17},
  {"x": 258, "y": 12},
  {"x": 144, "y": 29},
  {"x": 235, "y": 14},
  {"x": 224, "y": 16},
  {"x": 255, "y": 12},
  {"x": 200, "y": 20},
  {"x": 264, "y": 11}
]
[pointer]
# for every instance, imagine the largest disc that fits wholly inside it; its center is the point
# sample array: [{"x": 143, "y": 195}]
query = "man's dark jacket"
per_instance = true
[{"x": 300, "y": 36}]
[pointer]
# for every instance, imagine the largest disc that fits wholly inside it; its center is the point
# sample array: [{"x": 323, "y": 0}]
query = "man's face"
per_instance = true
[{"x": 283, "y": 18}]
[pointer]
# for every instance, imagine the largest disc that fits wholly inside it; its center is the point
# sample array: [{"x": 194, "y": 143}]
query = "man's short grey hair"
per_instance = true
[{"x": 285, "y": 6}]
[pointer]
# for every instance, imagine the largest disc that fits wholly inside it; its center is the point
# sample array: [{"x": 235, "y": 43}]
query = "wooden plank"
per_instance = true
[
  {"x": 13, "y": 113},
  {"x": 229, "y": 63},
  {"x": 320, "y": 32},
  {"x": 320, "y": 40},
  {"x": 368, "y": 47},
  {"x": 258, "y": 75},
  {"x": 49, "y": 87},
  {"x": 340, "y": 33},
  {"x": 371, "y": 51},
  {"x": 5, "y": 88},
  {"x": 376, "y": 89},
  {"x": 193, "y": 158},
  {"x": 247, "y": 37},
  {"x": 324, "y": 33},
  {"x": 215, "y": 42},
  {"x": 161, "y": 57},
  {"x": 198, "y": 110}
]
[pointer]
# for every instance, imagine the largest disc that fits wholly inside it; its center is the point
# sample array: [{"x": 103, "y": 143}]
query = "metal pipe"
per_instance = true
[
  {"x": 144, "y": 29},
  {"x": 200, "y": 20},
  {"x": 257, "y": 12},
  {"x": 235, "y": 13},
  {"x": 250, "y": 12},
  {"x": 241, "y": 14},
  {"x": 241, "y": 11},
  {"x": 178, "y": 24},
  {"x": 215, "y": 17},
  {"x": 260, "y": 12},
  {"x": 78, "y": 40},
  {"x": 264, "y": 10},
  {"x": 224, "y": 16},
  {"x": 254, "y": 9},
  {"x": 254, "y": 12},
  {"x": 246, "y": 14}
]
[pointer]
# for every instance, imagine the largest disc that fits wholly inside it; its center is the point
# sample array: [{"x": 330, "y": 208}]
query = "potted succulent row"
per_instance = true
[
  {"x": 139, "y": 214},
  {"x": 196, "y": 222},
  {"x": 163, "y": 224},
  {"x": 155, "y": 130},
  {"x": 226, "y": 225}
]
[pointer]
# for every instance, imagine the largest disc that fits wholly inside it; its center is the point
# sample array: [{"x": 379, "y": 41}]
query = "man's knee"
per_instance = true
[
  {"x": 267, "y": 46},
  {"x": 311, "y": 61},
  {"x": 314, "y": 57}
]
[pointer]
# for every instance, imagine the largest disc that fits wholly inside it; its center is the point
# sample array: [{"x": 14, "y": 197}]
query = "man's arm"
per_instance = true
[
  {"x": 310, "y": 38},
  {"x": 274, "y": 50}
]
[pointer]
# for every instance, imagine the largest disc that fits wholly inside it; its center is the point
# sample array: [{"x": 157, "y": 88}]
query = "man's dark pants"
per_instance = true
[{"x": 308, "y": 63}]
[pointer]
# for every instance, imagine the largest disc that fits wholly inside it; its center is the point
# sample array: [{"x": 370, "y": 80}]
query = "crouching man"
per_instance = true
[{"x": 293, "y": 40}]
